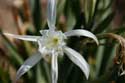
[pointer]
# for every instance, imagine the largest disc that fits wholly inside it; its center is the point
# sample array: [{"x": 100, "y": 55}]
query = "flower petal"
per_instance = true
[
  {"x": 43, "y": 32},
  {"x": 80, "y": 32},
  {"x": 78, "y": 60},
  {"x": 123, "y": 73},
  {"x": 29, "y": 63},
  {"x": 51, "y": 13},
  {"x": 54, "y": 68},
  {"x": 23, "y": 37}
]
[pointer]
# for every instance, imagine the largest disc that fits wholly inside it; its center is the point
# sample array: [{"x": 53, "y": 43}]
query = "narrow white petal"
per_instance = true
[
  {"x": 23, "y": 37},
  {"x": 80, "y": 32},
  {"x": 54, "y": 69},
  {"x": 51, "y": 13},
  {"x": 29, "y": 63},
  {"x": 123, "y": 73},
  {"x": 78, "y": 60}
]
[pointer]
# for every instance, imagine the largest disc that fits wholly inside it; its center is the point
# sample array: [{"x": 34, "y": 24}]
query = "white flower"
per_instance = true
[{"x": 53, "y": 43}]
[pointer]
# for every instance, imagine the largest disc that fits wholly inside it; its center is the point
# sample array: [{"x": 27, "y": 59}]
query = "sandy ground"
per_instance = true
[{"x": 6, "y": 17}]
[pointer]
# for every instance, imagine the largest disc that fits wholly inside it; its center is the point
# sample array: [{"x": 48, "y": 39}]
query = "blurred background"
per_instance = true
[{"x": 104, "y": 18}]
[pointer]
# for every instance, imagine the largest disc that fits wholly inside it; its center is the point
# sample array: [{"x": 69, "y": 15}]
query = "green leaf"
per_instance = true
[
  {"x": 46, "y": 71},
  {"x": 60, "y": 6},
  {"x": 89, "y": 7},
  {"x": 15, "y": 56},
  {"x": 90, "y": 10},
  {"x": 4, "y": 76},
  {"x": 104, "y": 24},
  {"x": 37, "y": 16},
  {"x": 39, "y": 77},
  {"x": 71, "y": 21},
  {"x": 99, "y": 57}
]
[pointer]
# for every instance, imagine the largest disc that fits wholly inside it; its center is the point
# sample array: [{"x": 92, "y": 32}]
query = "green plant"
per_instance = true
[{"x": 107, "y": 61}]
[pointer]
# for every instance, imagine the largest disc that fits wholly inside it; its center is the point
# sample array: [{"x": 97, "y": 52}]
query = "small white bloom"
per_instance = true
[{"x": 53, "y": 43}]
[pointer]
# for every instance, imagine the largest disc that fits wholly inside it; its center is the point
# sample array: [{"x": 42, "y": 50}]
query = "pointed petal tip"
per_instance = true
[
  {"x": 23, "y": 37},
  {"x": 16, "y": 79},
  {"x": 76, "y": 58},
  {"x": 81, "y": 32},
  {"x": 28, "y": 64},
  {"x": 97, "y": 42},
  {"x": 7, "y": 34},
  {"x": 87, "y": 74},
  {"x": 123, "y": 73}
]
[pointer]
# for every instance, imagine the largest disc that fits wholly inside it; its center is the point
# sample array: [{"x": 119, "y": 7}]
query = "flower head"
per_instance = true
[{"x": 53, "y": 43}]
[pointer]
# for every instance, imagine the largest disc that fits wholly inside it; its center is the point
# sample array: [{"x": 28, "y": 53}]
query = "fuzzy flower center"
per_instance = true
[{"x": 52, "y": 41}]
